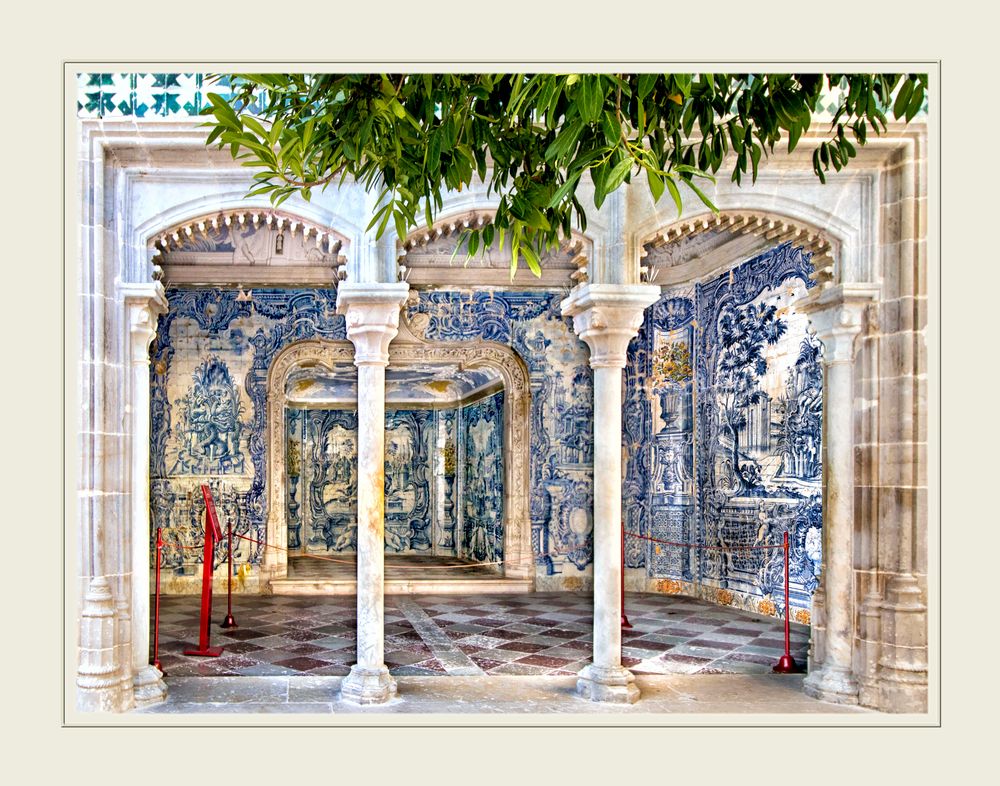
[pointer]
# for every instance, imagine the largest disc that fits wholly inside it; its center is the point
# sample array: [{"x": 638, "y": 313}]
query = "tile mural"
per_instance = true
[
  {"x": 481, "y": 488},
  {"x": 721, "y": 429},
  {"x": 208, "y": 392},
  {"x": 723, "y": 425},
  {"x": 561, "y": 452}
]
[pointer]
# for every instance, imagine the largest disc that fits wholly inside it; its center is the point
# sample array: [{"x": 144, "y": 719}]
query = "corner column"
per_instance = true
[
  {"x": 836, "y": 313},
  {"x": 143, "y": 304},
  {"x": 372, "y": 312},
  {"x": 607, "y": 317}
]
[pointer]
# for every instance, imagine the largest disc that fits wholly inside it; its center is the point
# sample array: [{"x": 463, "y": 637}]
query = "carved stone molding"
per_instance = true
[
  {"x": 837, "y": 314},
  {"x": 428, "y": 254},
  {"x": 518, "y": 561},
  {"x": 372, "y": 315},
  {"x": 775, "y": 229},
  {"x": 607, "y": 317}
]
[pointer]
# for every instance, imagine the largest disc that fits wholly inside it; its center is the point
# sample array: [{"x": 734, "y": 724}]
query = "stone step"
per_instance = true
[{"x": 441, "y": 586}]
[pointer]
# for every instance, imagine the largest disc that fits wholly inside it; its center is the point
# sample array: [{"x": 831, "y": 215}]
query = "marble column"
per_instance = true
[
  {"x": 372, "y": 315},
  {"x": 607, "y": 317},
  {"x": 143, "y": 304},
  {"x": 836, "y": 313}
]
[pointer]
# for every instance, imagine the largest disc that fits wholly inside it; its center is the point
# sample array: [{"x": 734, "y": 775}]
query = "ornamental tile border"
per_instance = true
[{"x": 164, "y": 95}]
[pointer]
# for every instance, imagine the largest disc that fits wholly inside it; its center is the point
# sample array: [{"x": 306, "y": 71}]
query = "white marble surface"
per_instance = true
[{"x": 607, "y": 317}]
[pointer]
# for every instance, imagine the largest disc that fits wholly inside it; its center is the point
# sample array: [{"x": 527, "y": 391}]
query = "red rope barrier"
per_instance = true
[{"x": 704, "y": 546}]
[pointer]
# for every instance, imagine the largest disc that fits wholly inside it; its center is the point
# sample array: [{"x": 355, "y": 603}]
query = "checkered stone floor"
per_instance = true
[{"x": 545, "y": 633}]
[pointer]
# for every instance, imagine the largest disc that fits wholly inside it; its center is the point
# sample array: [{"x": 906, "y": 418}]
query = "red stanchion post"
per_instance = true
[
  {"x": 229, "y": 622},
  {"x": 626, "y": 625},
  {"x": 785, "y": 664},
  {"x": 213, "y": 534},
  {"x": 156, "y": 604}
]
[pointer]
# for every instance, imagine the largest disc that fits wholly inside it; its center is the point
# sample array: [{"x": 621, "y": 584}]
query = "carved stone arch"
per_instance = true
[
  {"x": 429, "y": 249},
  {"x": 188, "y": 230},
  {"x": 301, "y": 354},
  {"x": 248, "y": 244},
  {"x": 143, "y": 246},
  {"x": 702, "y": 245},
  {"x": 408, "y": 349}
]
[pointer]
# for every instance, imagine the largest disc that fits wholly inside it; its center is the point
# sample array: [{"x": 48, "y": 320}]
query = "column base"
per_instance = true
[
  {"x": 368, "y": 686},
  {"x": 833, "y": 684},
  {"x": 615, "y": 685},
  {"x": 149, "y": 687}
]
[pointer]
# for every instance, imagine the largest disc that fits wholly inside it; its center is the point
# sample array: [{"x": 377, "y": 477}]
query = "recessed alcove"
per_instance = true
[
  {"x": 444, "y": 473},
  {"x": 450, "y": 464}
]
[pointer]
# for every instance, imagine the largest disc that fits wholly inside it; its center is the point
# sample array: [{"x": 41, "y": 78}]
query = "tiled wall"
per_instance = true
[
  {"x": 721, "y": 430},
  {"x": 481, "y": 490},
  {"x": 322, "y": 501},
  {"x": 723, "y": 423},
  {"x": 561, "y": 450},
  {"x": 208, "y": 377}
]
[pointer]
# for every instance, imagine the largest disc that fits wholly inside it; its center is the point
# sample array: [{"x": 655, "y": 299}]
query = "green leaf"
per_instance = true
[
  {"x": 793, "y": 136},
  {"x": 701, "y": 195},
  {"x": 534, "y": 264},
  {"x": 646, "y": 84},
  {"x": 916, "y": 101},
  {"x": 655, "y": 184},
  {"x": 672, "y": 187},
  {"x": 563, "y": 191},
  {"x": 617, "y": 175},
  {"x": 902, "y": 99}
]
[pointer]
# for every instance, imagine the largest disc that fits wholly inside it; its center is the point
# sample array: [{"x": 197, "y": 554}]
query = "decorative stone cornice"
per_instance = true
[
  {"x": 372, "y": 316},
  {"x": 607, "y": 317},
  {"x": 836, "y": 314},
  {"x": 576, "y": 247},
  {"x": 176, "y": 237},
  {"x": 749, "y": 222}
]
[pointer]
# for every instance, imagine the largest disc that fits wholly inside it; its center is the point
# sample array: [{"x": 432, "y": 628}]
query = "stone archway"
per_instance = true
[
  {"x": 408, "y": 349},
  {"x": 837, "y": 309}
]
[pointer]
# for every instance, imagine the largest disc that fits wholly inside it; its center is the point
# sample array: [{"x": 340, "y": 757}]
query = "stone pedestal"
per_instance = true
[
  {"x": 607, "y": 317},
  {"x": 98, "y": 679},
  {"x": 902, "y": 665},
  {"x": 836, "y": 314},
  {"x": 372, "y": 312}
]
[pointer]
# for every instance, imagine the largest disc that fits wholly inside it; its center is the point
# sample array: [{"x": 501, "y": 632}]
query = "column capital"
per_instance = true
[
  {"x": 607, "y": 317},
  {"x": 372, "y": 315},
  {"x": 836, "y": 314},
  {"x": 143, "y": 304}
]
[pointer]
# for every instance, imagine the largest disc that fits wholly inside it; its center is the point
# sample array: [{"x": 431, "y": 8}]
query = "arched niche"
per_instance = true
[
  {"x": 249, "y": 245},
  {"x": 407, "y": 349},
  {"x": 428, "y": 256},
  {"x": 695, "y": 248}
]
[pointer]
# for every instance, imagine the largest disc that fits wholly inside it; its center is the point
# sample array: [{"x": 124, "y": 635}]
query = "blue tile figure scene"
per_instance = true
[
  {"x": 730, "y": 361},
  {"x": 721, "y": 429}
]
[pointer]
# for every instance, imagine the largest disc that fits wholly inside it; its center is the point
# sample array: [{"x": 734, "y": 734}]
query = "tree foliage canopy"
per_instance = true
[{"x": 531, "y": 137}]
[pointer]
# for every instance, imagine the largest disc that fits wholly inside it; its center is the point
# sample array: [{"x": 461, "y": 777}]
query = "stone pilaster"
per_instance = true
[
  {"x": 836, "y": 314},
  {"x": 143, "y": 304},
  {"x": 607, "y": 317},
  {"x": 372, "y": 314}
]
